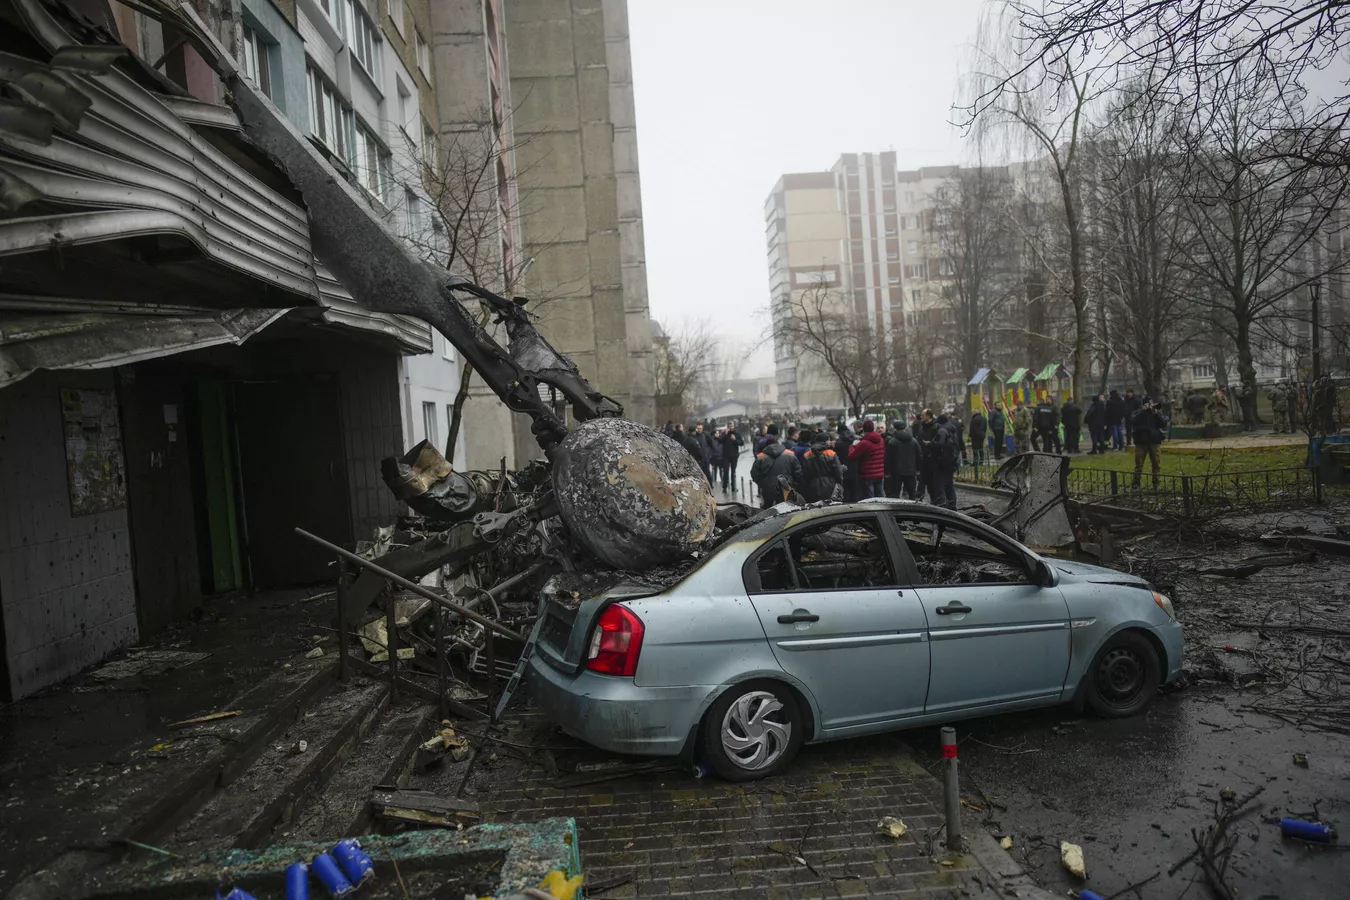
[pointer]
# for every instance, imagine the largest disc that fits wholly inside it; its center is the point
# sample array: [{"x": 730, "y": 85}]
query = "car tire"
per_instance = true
[
  {"x": 752, "y": 731},
  {"x": 1124, "y": 676}
]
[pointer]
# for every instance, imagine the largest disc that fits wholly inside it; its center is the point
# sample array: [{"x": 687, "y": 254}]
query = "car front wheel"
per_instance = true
[
  {"x": 752, "y": 731},
  {"x": 1124, "y": 676}
]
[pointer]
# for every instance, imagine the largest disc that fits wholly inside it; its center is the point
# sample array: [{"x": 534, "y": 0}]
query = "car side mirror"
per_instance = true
[{"x": 1044, "y": 575}]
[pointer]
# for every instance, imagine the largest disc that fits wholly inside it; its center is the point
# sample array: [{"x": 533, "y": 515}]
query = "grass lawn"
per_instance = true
[{"x": 1201, "y": 460}]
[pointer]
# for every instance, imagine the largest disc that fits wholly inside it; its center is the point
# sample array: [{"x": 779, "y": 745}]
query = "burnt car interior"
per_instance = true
[
  {"x": 833, "y": 556},
  {"x": 947, "y": 554}
]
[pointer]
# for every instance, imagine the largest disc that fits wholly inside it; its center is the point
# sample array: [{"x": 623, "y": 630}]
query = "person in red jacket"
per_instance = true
[{"x": 869, "y": 452}]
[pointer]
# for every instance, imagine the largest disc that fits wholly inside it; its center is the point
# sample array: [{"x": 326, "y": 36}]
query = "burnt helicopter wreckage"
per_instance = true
[{"x": 610, "y": 495}]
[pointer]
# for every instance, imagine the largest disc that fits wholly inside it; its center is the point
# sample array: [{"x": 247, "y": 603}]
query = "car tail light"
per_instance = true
[{"x": 616, "y": 643}]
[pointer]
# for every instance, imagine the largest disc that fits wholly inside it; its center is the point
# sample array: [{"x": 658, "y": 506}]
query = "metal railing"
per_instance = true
[
  {"x": 1184, "y": 495},
  {"x": 1204, "y": 494}
]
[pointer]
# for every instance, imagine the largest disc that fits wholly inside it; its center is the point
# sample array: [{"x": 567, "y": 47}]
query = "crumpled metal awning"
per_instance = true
[{"x": 89, "y": 340}]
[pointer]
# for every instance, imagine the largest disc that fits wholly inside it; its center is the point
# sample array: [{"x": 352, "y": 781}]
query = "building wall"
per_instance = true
[
  {"x": 628, "y": 191},
  {"x": 806, "y": 233},
  {"x": 285, "y": 56},
  {"x": 567, "y": 133},
  {"x": 434, "y": 378},
  {"x": 67, "y": 594}
]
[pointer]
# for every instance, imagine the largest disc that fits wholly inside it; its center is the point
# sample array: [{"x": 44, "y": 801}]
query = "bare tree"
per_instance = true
[
  {"x": 1174, "y": 44},
  {"x": 1041, "y": 106},
  {"x": 1141, "y": 246},
  {"x": 978, "y": 254},
  {"x": 1259, "y": 215},
  {"x": 681, "y": 362},
  {"x": 864, "y": 358}
]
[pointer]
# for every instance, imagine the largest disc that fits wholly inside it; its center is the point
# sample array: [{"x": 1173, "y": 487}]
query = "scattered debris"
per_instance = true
[
  {"x": 421, "y": 807},
  {"x": 1006, "y": 842},
  {"x": 892, "y": 827},
  {"x": 1301, "y": 759},
  {"x": 316, "y": 653},
  {"x": 147, "y": 662},
  {"x": 1071, "y": 855},
  {"x": 209, "y": 717}
]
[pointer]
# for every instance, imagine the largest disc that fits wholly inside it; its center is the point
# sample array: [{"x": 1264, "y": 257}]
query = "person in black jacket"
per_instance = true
[
  {"x": 998, "y": 427},
  {"x": 903, "y": 460},
  {"x": 1115, "y": 419},
  {"x": 773, "y": 466},
  {"x": 704, "y": 442},
  {"x": 1096, "y": 423},
  {"x": 925, "y": 433},
  {"x": 1071, "y": 414},
  {"x": 1132, "y": 405},
  {"x": 842, "y": 444},
  {"x": 1148, "y": 427},
  {"x": 731, "y": 453},
  {"x": 979, "y": 429},
  {"x": 822, "y": 472}
]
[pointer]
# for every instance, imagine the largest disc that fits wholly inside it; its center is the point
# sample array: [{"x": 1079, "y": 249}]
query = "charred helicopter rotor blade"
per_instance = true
[{"x": 384, "y": 275}]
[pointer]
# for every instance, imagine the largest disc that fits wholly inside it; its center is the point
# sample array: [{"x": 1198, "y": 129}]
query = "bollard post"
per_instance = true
[{"x": 951, "y": 790}]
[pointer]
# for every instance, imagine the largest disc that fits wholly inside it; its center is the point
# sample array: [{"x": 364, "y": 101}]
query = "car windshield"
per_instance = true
[{"x": 948, "y": 553}]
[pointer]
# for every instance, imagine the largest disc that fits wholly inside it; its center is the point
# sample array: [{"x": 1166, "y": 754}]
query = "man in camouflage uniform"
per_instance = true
[
  {"x": 1216, "y": 410},
  {"x": 1279, "y": 407}
]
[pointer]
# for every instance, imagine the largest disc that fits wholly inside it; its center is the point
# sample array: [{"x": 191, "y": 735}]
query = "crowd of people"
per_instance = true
[{"x": 847, "y": 461}]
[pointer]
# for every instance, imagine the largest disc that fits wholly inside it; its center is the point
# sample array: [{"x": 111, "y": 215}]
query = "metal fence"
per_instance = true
[
  {"x": 1185, "y": 495},
  {"x": 1194, "y": 495}
]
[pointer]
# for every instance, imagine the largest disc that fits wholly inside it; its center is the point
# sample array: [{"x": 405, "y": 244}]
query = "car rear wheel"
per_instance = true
[
  {"x": 752, "y": 731},
  {"x": 1124, "y": 676}
]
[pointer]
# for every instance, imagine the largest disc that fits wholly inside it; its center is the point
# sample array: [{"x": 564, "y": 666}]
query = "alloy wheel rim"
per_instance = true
[
  {"x": 756, "y": 731},
  {"x": 1120, "y": 677}
]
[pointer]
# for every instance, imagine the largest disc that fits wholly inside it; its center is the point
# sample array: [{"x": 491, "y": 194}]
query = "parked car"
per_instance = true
[{"x": 824, "y": 623}]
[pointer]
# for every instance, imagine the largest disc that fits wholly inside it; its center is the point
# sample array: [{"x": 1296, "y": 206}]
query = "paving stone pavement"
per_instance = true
[{"x": 809, "y": 833}]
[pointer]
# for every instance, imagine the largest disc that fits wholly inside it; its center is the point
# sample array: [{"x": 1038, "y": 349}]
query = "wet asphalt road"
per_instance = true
[{"x": 1130, "y": 791}]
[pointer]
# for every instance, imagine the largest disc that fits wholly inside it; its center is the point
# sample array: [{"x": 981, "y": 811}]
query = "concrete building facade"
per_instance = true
[{"x": 580, "y": 207}]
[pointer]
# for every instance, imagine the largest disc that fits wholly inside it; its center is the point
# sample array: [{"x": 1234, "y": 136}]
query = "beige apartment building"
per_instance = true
[{"x": 863, "y": 231}]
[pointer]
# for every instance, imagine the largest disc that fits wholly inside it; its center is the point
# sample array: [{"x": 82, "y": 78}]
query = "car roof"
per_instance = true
[{"x": 786, "y": 514}]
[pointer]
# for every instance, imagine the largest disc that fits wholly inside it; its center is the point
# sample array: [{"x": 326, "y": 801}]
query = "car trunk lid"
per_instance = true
[{"x": 569, "y": 606}]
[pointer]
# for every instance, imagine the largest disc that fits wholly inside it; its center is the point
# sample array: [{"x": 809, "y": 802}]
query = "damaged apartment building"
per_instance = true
[{"x": 182, "y": 382}]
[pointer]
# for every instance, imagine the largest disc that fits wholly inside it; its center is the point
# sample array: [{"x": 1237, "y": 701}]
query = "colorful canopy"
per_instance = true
[
  {"x": 1051, "y": 371},
  {"x": 1018, "y": 376},
  {"x": 980, "y": 377}
]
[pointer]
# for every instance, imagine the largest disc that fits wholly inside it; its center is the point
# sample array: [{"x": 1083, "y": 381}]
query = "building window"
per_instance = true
[
  {"x": 1202, "y": 371},
  {"x": 951, "y": 365},
  {"x": 894, "y": 279},
  {"x": 914, "y": 271},
  {"x": 396, "y": 14},
  {"x": 413, "y": 207},
  {"x": 330, "y": 119},
  {"x": 362, "y": 36},
  {"x": 948, "y": 317},
  {"x": 911, "y": 222},
  {"x": 945, "y": 267},
  {"x": 423, "y": 54},
  {"x": 913, "y": 247},
  {"x": 449, "y": 416},
  {"x": 891, "y": 254},
  {"x": 448, "y": 352},
  {"x": 428, "y": 139},
  {"x": 916, "y": 296},
  {"x": 909, "y": 197},
  {"x": 255, "y": 60},
  {"x": 371, "y": 162},
  {"x": 890, "y": 232},
  {"x": 429, "y": 430}
]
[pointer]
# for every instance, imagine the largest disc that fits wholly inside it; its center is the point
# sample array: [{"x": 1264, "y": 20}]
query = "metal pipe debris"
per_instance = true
[{"x": 413, "y": 586}]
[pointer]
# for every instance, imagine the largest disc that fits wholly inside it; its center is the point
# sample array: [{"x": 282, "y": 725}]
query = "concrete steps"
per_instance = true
[
  {"x": 342, "y": 808},
  {"x": 246, "y": 812}
]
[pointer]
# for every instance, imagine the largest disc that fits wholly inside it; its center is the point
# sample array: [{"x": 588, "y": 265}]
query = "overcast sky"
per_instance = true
[{"x": 731, "y": 94}]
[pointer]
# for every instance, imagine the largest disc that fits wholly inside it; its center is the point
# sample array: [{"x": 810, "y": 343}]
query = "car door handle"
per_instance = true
[
  {"x": 798, "y": 617},
  {"x": 952, "y": 609}
]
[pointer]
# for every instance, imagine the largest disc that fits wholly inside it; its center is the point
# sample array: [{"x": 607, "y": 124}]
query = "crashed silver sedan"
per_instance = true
[{"x": 824, "y": 623}]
